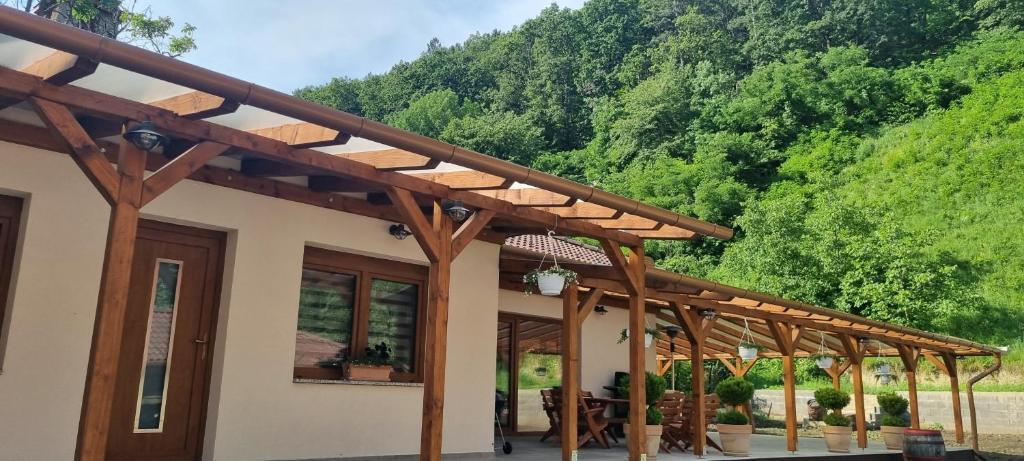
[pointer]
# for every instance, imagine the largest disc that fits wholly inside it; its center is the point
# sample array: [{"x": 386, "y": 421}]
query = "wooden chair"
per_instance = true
[
  {"x": 593, "y": 425},
  {"x": 551, "y": 402},
  {"x": 609, "y": 428},
  {"x": 684, "y": 432},
  {"x": 671, "y": 406}
]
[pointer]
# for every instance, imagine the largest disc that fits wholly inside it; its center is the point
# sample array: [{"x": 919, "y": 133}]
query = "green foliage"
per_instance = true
[
  {"x": 732, "y": 417},
  {"x": 654, "y": 416},
  {"x": 655, "y": 387},
  {"x": 530, "y": 278},
  {"x": 892, "y": 404},
  {"x": 431, "y": 113},
  {"x": 836, "y": 419},
  {"x": 833, "y": 399},
  {"x": 734, "y": 391},
  {"x": 378, "y": 355},
  {"x": 895, "y": 421}
]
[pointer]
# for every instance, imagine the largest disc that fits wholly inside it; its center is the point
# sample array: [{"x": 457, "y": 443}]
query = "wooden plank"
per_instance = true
[
  {"x": 583, "y": 210},
  {"x": 303, "y": 135},
  {"x": 530, "y": 198},
  {"x": 570, "y": 370},
  {"x": 196, "y": 105},
  {"x": 465, "y": 180},
  {"x": 392, "y": 159},
  {"x": 436, "y": 345},
  {"x": 180, "y": 168},
  {"x": 406, "y": 205},
  {"x": 637, "y": 389},
  {"x": 469, "y": 230},
  {"x": 664, "y": 233},
  {"x": 626, "y": 222},
  {"x": 108, "y": 329},
  {"x": 83, "y": 150}
]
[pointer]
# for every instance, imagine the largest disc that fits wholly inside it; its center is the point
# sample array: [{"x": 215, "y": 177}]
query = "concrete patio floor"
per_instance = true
[{"x": 761, "y": 447}]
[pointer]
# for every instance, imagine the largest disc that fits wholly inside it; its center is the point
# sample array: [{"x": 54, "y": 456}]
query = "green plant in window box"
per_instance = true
[{"x": 375, "y": 364}]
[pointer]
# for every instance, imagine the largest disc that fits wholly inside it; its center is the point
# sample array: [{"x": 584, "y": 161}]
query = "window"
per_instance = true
[
  {"x": 349, "y": 302},
  {"x": 10, "y": 215}
]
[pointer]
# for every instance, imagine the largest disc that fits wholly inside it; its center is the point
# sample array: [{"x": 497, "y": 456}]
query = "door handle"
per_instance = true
[{"x": 202, "y": 342}]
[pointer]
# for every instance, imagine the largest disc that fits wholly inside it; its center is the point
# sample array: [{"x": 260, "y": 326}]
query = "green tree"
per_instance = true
[
  {"x": 504, "y": 135},
  {"x": 430, "y": 114}
]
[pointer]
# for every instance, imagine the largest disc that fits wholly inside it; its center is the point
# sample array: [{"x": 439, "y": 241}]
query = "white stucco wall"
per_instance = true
[
  {"x": 256, "y": 412},
  {"x": 600, "y": 355}
]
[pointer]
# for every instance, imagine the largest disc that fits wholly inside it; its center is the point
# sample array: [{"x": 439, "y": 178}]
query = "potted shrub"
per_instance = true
[
  {"x": 893, "y": 406},
  {"x": 550, "y": 281},
  {"x": 656, "y": 386},
  {"x": 837, "y": 427},
  {"x": 649, "y": 335},
  {"x": 748, "y": 350},
  {"x": 374, "y": 365},
  {"x": 824, "y": 361},
  {"x": 733, "y": 426}
]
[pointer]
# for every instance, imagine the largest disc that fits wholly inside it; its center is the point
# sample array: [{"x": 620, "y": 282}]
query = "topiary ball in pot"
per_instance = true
[
  {"x": 732, "y": 417},
  {"x": 837, "y": 430},
  {"x": 733, "y": 427},
  {"x": 833, "y": 399},
  {"x": 893, "y": 424},
  {"x": 734, "y": 391}
]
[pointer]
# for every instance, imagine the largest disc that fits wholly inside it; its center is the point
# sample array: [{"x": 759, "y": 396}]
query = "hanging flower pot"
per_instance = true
[
  {"x": 748, "y": 351},
  {"x": 550, "y": 281},
  {"x": 824, "y": 361},
  {"x": 649, "y": 335}
]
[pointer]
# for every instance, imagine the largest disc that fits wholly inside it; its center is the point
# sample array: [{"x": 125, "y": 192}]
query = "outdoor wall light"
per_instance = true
[
  {"x": 145, "y": 137},
  {"x": 600, "y": 310},
  {"x": 455, "y": 210},
  {"x": 706, "y": 313},
  {"x": 399, "y": 231}
]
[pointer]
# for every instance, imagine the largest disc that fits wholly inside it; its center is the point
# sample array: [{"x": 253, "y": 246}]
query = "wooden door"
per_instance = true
[
  {"x": 10, "y": 212},
  {"x": 163, "y": 379}
]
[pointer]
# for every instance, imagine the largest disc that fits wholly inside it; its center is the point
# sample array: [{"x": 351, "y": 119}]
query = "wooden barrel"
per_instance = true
[{"x": 923, "y": 445}]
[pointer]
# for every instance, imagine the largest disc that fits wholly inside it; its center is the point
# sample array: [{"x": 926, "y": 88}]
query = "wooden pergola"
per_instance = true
[
  {"x": 714, "y": 318},
  {"x": 66, "y": 93}
]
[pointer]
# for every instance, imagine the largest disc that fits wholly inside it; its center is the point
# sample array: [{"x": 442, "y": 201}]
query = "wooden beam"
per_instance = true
[
  {"x": 392, "y": 159},
  {"x": 180, "y": 168},
  {"x": 417, "y": 221},
  {"x": 626, "y": 222},
  {"x": 784, "y": 335},
  {"x": 634, "y": 268},
  {"x": 857, "y": 375},
  {"x": 954, "y": 385},
  {"x": 570, "y": 370},
  {"x": 60, "y": 68},
  {"x": 83, "y": 149},
  {"x": 909, "y": 355},
  {"x": 465, "y": 180},
  {"x": 303, "y": 135},
  {"x": 664, "y": 233},
  {"x": 108, "y": 329},
  {"x": 436, "y": 347},
  {"x": 587, "y": 305},
  {"x": 620, "y": 265},
  {"x": 746, "y": 366},
  {"x": 531, "y": 198},
  {"x": 584, "y": 210},
  {"x": 469, "y": 230},
  {"x": 196, "y": 105}
]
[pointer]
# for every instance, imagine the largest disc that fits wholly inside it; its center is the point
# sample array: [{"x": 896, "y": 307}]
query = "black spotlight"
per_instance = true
[
  {"x": 455, "y": 210},
  {"x": 145, "y": 137},
  {"x": 399, "y": 231},
  {"x": 600, "y": 310},
  {"x": 706, "y": 313}
]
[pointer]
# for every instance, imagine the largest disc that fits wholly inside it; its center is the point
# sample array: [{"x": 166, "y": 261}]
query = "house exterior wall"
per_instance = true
[{"x": 256, "y": 411}]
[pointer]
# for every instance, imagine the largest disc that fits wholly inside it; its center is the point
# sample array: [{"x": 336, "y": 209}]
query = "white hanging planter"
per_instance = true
[
  {"x": 884, "y": 369},
  {"x": 825, "y": 362},
  {"x": 648, "y": 338},
  {"x": 747, "y": 352},
  {"x": 550, "y": 284},
  {"x": 824, "y": 358}
]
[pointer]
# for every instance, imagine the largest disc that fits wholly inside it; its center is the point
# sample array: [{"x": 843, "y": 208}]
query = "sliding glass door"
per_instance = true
[{"x": 529, "y": 360}]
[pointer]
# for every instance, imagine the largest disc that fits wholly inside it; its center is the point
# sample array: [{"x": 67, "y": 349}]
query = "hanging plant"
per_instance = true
[
  {"x": 550, "y": 281},
  {"x": 824, "y": 358},
  {"x": 883, "y": 369},
  {"x": 649, "y": 335},
  {"x": 747, "y": 348}
]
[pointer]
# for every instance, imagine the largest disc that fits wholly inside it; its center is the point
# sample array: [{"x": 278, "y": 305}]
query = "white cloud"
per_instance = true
[{"x": 286, "y": 45}]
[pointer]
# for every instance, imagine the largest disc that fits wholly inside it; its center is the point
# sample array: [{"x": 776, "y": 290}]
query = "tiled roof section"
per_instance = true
[{"x": 564, "y": 249}]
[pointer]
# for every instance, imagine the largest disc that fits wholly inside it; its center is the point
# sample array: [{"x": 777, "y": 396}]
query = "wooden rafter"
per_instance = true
[
  {"x": 421, "y": 228},
  {"x": 629, "y": 222},
  {"x": 532, "y": 198},
  {"x": 465, "y": 180},
  {"x": 303, "y": 135},
  {"x": 583, "y": 210},
  {"x": 196, "y": 105},
  {"x": 391, "y": 159},
  {"x": 60, "y": 68}
]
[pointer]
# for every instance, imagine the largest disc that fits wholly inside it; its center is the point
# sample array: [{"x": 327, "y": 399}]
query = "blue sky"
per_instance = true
[{"x": 287, "y": 45}]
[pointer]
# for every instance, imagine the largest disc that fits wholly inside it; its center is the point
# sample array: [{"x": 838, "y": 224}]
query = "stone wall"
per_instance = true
[{"x": 998, "y": 412}]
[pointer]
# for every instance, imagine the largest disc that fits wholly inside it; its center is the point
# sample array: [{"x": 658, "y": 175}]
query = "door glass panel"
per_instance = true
[
  {"x": 324, "y": 333},
  {"x": 503, "y": 377},
  {"x": 539, "y": 352},
  {"x": 393, "y": 320},
  {"x": 158, "y": 347}
]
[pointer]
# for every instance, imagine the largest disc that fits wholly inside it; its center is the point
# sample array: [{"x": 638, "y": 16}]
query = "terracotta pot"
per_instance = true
[
  {"x": 368, "y": 372},
  {"x": 837, "y": 438},
  {"x": 893, "y": 436},
  {"x": 653, "y": 433},
  {"x": 735, "y": 439}
]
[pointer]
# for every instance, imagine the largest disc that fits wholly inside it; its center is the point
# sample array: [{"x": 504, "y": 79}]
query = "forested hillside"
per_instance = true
[{"x": 868, "y": 152}]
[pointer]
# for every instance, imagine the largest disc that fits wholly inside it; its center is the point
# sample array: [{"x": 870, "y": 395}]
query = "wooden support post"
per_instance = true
[
  {"x": 786, "y": 339},
  {"x": 970, "y": 397},
  {"x": 909, "y": 356},
  {"x": 437, "y": 241},
  {"x": 949, "y": 360},
  {"x": 855, "y": 355},
  {"x": 108, "y": 329},
  {"x": 696, "y": 329},
  {"x": 570, "y": 368}
]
